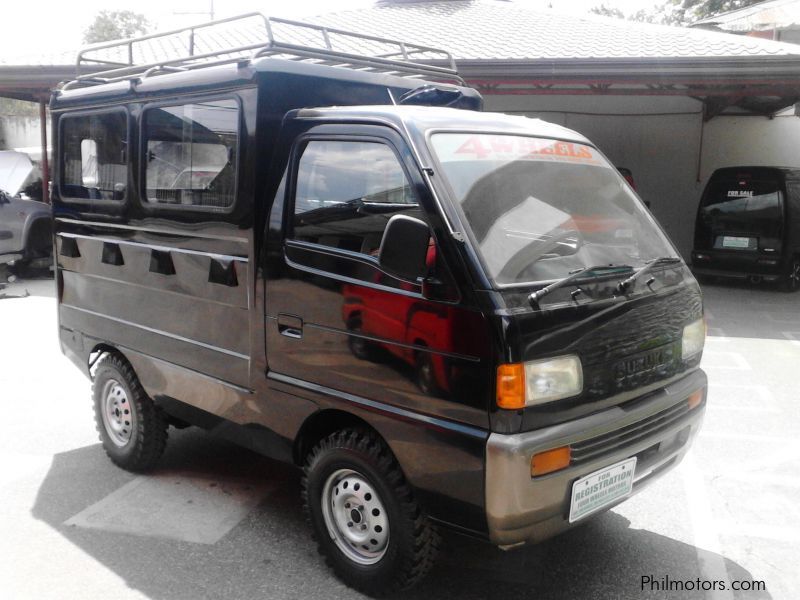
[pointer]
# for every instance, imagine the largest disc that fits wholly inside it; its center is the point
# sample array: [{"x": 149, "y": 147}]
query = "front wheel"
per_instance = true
[{"x": 366, "y": 522}]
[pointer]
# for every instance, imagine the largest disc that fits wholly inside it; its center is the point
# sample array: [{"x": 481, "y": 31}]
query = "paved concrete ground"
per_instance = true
[{"x": 74, "y": 526}]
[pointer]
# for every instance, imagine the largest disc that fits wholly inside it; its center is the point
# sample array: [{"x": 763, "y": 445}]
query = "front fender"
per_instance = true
[{"x": 39, "y": 218}]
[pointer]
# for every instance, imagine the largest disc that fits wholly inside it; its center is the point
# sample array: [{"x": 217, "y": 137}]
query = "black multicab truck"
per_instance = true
[
  {"x": 446, "y": 318},
  {"x": 747, "y": 226}
]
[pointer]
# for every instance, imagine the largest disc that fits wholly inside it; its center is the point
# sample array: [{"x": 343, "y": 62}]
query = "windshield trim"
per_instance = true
[{"x": 463, "y": 224}]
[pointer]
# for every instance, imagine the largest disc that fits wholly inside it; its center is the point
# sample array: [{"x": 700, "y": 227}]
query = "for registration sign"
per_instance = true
[{"x": 601, "y": 488}]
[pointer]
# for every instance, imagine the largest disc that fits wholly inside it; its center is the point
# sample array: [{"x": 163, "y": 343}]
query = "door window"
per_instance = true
[{"x": 346, "y": 192}]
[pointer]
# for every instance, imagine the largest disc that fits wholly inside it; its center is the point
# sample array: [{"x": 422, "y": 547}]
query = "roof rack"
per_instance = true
[{"x": 250, "y": 36}]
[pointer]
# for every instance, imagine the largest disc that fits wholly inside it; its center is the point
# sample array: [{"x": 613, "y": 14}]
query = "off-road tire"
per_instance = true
[
  {"x": 413, "y": 541},
  {"x": 149, "y": 435}
]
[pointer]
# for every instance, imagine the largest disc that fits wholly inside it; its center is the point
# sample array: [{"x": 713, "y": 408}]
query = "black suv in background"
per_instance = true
[{"x": 748, "y": 226}]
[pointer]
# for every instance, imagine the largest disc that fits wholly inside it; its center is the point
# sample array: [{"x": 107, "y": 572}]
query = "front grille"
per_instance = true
[{"x": 596, "y": 447}]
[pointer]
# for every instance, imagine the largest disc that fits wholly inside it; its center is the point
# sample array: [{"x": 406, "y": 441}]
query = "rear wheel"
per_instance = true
[
  {"x": 367, "y": 524},
  {"x": 425, "y": 374},
  {"x": 361, "y": 347},
  {"x": 791, "y": 282},
  {"x": 132, "y": 428}
]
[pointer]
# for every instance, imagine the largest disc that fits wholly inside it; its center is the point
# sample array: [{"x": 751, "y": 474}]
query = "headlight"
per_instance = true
[
  {"x": 538, "y": 381},
  {"x": 694, "y": 338},
  {"x": 552, "y": 379}
]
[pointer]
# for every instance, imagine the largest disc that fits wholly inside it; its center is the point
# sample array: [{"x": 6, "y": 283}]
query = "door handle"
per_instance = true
[{"x": 290, "y": 325}]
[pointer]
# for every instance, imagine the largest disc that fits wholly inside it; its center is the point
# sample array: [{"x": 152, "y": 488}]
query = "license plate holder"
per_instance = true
[{"x": 595, "y": 491}]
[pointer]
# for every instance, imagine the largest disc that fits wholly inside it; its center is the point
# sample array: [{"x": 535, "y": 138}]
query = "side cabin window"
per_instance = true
[
  {"x": 94, "y": 156},
  {"x": 346, "y": 192},
  {"x": 191, "y": 154}
]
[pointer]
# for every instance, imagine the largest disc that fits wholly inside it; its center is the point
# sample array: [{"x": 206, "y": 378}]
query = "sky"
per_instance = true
[{"x": 46, "y": 26}]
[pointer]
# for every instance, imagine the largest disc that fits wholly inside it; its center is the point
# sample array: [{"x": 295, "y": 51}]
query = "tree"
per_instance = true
[
  {"x": 18, "y": 108},
  {"x": 677, "y": 12},
  {"x": 115, "y": 25},
  {"x": 607, "y": 11}
]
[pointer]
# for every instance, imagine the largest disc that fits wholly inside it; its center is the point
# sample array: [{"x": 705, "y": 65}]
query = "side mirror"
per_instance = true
[{"x": 404, "y": 248}]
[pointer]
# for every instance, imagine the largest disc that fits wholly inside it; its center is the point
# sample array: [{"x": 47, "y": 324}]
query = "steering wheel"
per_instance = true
[{"x": 522, "y": 258}]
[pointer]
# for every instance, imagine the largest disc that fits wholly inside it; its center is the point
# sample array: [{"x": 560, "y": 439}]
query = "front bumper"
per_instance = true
[
  {"x": 9, "y": 258},
  {"x": 657, "y": 429}
]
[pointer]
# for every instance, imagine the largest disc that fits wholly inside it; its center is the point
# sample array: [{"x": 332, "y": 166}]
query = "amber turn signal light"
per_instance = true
[
  {"x": 550, "y": 461},
  {"x": 511, "y": 386},
  {"x": 696, "y": 399}
]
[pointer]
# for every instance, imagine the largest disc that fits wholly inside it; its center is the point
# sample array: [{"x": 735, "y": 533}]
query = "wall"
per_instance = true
[
  {"x": 659, "y": 139},
  {"x": 20, "y": 132},
  {"x": 751, "y": 141}
]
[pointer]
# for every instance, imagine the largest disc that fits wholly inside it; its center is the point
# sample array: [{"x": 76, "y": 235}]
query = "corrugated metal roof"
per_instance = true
[
  {"x": 43, "y": 59},
  {"x": 488, "y": 29},
  {"x": 777, "y": 14},
  {"x": 511, "y": 45},
  {"x": 471, "y": 30}
]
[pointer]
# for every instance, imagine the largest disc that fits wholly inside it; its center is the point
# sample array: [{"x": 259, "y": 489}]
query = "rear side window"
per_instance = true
[
  {"x": 191, "y": 154},
  {"x": 94, "y": 156},
  {"x": 347, "y": 191}
]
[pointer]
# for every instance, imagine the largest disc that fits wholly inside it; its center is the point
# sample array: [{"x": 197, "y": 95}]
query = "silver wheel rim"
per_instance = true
[
  {"x": 355, "y": 517},
  {"x": 117, "y": 415}
]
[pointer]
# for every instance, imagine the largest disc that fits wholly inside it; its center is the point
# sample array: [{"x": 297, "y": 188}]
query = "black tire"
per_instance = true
[
  {"x": 141, "y": 427},
  {"x": 412, "y": 541},
  {"x": 791, "y": 281},
  {"x": 425, "y": 374},
  {"x": 360, "y": 347}
]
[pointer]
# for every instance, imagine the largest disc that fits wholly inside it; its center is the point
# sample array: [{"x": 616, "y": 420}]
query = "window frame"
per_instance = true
[
  {"x": 157, "y": 207},
  {"x": 99, "y": 202},
  {"x": 298, "y": 149}
]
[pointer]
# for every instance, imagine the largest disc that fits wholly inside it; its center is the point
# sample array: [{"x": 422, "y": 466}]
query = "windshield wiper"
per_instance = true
[
  {"x": 652, "y": 264},
  {"x": 573, "y": 275}
]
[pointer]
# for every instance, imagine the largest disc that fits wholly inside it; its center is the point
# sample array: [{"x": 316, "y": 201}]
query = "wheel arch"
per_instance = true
[
  {"x": 38, "y": 233},
  {"x": 323, "y": 423},
  {"x": 98, "y": 351}
]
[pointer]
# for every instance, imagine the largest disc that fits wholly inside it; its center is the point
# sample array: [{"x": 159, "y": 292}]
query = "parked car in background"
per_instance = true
[
  {"x": 748, "y": 226},
  {"x": 25, "y": 224}
]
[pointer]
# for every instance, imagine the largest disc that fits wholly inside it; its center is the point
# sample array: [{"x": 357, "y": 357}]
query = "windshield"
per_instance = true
[{"x": 540, "y": 208}]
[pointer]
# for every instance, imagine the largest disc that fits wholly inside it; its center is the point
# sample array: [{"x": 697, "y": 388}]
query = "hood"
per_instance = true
[{"x": 15, "y": 169}]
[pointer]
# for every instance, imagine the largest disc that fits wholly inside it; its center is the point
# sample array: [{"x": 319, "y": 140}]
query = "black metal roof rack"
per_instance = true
[{"x": 250, "y": 36}]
